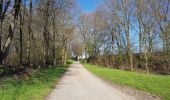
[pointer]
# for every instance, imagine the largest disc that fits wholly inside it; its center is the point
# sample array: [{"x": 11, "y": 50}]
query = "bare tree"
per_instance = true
[
  {"x": 29, "y": 32},
  {"x": 16, "y": 9}
]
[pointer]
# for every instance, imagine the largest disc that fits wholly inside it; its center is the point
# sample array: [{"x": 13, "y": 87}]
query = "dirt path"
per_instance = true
[{"x": 80, "y": 84}]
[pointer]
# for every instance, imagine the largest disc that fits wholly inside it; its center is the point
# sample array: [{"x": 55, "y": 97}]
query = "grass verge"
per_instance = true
[
  {"x": 35, "y": 88},
  {"x": 155, "y": 84}
]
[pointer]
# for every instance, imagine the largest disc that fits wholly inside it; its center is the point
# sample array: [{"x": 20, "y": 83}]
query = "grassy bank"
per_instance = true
[
  {"x": 35, "y": 88},
  {"x": 156, "y": 84}
]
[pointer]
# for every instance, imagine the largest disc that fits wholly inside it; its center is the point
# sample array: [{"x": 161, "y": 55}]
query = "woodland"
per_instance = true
[{"x": 122, "y": 34}]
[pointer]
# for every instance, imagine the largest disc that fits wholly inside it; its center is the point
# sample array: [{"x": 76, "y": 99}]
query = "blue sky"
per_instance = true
[{"x": 87, "y": 5}]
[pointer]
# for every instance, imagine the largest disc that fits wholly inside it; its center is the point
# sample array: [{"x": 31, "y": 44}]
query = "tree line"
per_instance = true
[
  {"x": 123, "y": 34},
  {"x": 35, "y": 32},
  {"x": 128, "y": 34}
]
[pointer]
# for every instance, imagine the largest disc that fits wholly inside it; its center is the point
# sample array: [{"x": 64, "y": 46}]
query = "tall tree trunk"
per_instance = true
[
  {"x": 129, "y": 53},
  {"x": 54, "y": 49},
  {"x": 119, "y": 51},
  {"x": 3, "y": 9},
  {"x": 54, "y": 39},
  {"x": 146, "y": 50},
  {"x": 64, "y": 51},
  {"x": 113, "y": 60},
  {"x": 46, "y": 34},
  {"x": 140, "y": 38},
  {"x": 5, "y": 50},
  {"x": 150, "y": 43},
  {"x": 139, "y": 17},
  {"x": 65, "y": 54},
  {"x": 85, "y": 52},
  {"x": 1, "y": 21},
  {"x": 44, "y": 54},
  {"x": 126, "y": 25},
  {"x": 21, "y": 38},
  {"x": 0, "y": 36},
  {"x": 45, "y": 45},
  {"x": 29, "y": 32}
]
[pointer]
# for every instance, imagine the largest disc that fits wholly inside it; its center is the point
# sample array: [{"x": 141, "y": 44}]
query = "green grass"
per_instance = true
[
  {"x": 36, "y": 88},
  {"x": 70, "y": 61},
  {"x": 155, "y": 84}
]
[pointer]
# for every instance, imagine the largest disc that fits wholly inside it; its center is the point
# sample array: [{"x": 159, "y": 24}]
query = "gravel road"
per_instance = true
[{"x": 79, "y": 84}]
